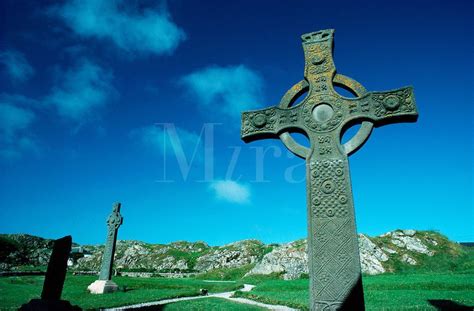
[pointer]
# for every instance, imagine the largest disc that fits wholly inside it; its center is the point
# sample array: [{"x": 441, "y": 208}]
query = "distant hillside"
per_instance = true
[{"x": 396, "y": 251}]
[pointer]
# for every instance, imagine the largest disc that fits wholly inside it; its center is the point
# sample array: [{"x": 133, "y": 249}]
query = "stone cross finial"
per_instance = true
[
  {"x": 323, "y": 116},
  {"x": 104, "y": 284}
]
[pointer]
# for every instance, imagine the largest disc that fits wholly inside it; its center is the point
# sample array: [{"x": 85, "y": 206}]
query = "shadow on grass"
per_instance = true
[
  {"x": 449, "y": 305},
  {"x": 125, "y": 289}
]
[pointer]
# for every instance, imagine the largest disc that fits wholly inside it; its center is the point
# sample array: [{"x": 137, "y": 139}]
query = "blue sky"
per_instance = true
[{"x": 140, "y": 101}]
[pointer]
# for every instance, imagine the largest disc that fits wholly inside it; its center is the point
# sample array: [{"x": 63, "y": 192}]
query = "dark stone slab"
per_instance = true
[
  {"x": 54, "y": 280},
  {"x": 57, "y": 268}
]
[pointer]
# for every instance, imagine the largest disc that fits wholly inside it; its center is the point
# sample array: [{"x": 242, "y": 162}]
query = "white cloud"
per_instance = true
[
  {"x": 14, "y": 131},
  {"x": 231, "y": 191},
  {"x": 228, "y": 90},
  {"x": 16, "y": 65},
  {"x": 130, "y": 28},
  {"x": 81, "y": 92}
]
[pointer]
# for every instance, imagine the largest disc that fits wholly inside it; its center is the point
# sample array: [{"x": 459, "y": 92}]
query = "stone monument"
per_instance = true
[
  {"x": 323, "y": 116},
  {"x": 105, "y": 284},
  {"x": 54, "y": 280}
]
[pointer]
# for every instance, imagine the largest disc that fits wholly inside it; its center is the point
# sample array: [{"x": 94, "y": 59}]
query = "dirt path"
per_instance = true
[{"x": 225, "y": 295}]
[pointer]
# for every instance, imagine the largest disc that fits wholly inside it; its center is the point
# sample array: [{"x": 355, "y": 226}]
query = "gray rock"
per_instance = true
[
  {"x": 389, "y": 250},
  {"x": 411, "y": 243},
  {"x": 232, "y": 255},
  {"x": 371, "y": 256},
  {"x": 289, "y": 259},
  {"x": 409, "y": 260},
  {"x": 409, "y": 232}
]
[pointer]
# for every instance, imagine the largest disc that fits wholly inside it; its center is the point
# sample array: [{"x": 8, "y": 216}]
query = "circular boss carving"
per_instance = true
[
  {"x": 322, "y": 117},
  {"x": 391, "y": 103},
  {"x": 342, "y": 199},
  {"x": 328, "y": 186},
  {"x": 259, "y": 120}
]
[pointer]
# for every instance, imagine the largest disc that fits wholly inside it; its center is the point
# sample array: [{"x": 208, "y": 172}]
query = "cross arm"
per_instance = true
[
  {"x": 269, "y": 122},
  {"x": 384, "y": 107}
]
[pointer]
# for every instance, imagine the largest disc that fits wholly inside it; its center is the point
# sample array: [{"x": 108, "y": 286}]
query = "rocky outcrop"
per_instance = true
[
  {"x": 406, "y": 239},
  {"x": 138, "y": 256},
  {"x": 290, "y": 260},
  {"x": 230, "y": 256},
  {"x": 380, "y": 254},
  {"x": 407, "y": 259},
  {"x": 371, "y": 256},
  {"x": 23, "y": 250},
  {"x": 377, "y": 255}
]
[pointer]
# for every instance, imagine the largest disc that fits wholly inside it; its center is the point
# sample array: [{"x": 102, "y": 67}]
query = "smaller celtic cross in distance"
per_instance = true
[
  {"x": 114, "y": 221},
  {"x": 323, "y": 116}
]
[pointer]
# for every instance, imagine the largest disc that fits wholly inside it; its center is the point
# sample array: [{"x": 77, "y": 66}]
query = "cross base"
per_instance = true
[{"x": 103, "y": 287}]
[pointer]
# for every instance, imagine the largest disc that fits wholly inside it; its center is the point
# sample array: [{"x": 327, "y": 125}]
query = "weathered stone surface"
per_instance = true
[
  {"x": 409, "y": 232},
  {"x": 410, "y": 242},
  {"x": 232, "y": 255},
  {"x": 114, "y": 221},
  {"x": 104, "y": 284},
  {"x": 102, "y": 287},
  {"x": 389, "y": 250},
  {"x": 135, "y": 255},
  {"x": 371, "y": 256},
  {"x": 291, "y": 260},
  {"x": 333, "y": 254},
  {"x": 409, "y": 260}
]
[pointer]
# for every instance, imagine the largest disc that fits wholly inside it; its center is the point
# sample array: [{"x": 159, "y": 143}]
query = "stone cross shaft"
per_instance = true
[
  {"x": 323, "y": 116},
  {"x": 113, "y": 223}
]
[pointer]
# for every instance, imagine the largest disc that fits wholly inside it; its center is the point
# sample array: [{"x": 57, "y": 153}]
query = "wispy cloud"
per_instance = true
[
  {"x": 228, "y": 90},
  {"x": 81, "y": 91},
  {"x": 231, "y": 191},
  {"x": 130, "y": 28},
  {"x": 19, "y": 100},
  {"x": 16, "y": 65},
  {"x": 14, "y": 130},
  {"x": 166, "y": 138}
]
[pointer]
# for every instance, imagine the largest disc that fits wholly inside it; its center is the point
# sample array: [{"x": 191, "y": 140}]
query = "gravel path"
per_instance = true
[{"x": 225, "y": 295}]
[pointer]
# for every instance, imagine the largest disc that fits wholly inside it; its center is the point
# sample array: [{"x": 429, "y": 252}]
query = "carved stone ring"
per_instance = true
[{"x": 302, "y": 87}]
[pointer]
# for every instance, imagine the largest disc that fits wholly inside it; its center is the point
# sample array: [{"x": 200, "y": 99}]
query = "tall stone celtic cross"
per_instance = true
[
  {"x": 323, "y": 116},
  {"x": 113, "y": 223},
  {"x": 105, "y": 284}
]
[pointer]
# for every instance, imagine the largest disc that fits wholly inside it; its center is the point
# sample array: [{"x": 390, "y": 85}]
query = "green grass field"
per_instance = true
[
  {"x": 444, "y": 282},
  {"x": 15, "y": 291},
  {"x": 210, "y": 304},
  {"x": 382, "y": 292}
]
